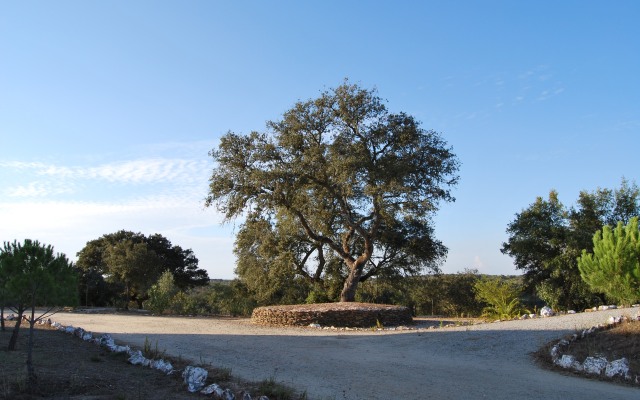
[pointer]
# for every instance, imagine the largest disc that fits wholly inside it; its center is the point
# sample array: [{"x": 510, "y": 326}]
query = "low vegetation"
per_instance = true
[{"x": 71, "y": 368}]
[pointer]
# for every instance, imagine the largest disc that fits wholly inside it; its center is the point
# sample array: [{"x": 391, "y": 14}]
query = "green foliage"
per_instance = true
[
  {"x": 161, "y": 293},
  {"x": 445, "y": 294},
  {"x": 383, "y": 291},
  {"x": 218, "y": 298},
  {"x": 337, "y": 178},
  {"x": 563, "y": 288},
  {"x": 131, "y": 263},
  {"x": 35, "y": 276},
  {"x": 614, "y": 266},
  {"x": 546, "y": 239},
  {"x": 502, "y": 298}
]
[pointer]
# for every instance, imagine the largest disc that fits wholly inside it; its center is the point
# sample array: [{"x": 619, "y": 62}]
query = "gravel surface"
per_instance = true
[{"x": 491, "y": 361}]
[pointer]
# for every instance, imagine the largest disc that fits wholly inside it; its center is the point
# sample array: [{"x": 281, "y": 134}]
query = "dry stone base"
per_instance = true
[{"x": 356, "y": 315}]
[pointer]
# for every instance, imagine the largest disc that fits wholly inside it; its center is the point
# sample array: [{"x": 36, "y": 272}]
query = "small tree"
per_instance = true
[
  {"x": 36, "y": 277},
  {"x": 502, "y": 298},
  {"x": 161, "y": 293},
  {"x": 614, "y": 266}
]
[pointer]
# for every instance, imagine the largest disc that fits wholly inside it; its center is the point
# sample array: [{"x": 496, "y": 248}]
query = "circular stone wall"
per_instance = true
[{"x": 361, "y": 315}]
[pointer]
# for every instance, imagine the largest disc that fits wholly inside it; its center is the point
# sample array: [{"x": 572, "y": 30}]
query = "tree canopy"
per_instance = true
[
  {"x": 35, "y": 277},
  {"x": 339, "y": 177},
  {"x": 132, "y": 262},
  {"x": 546, "y": 239},
  {"x": 614, "y": 265}
]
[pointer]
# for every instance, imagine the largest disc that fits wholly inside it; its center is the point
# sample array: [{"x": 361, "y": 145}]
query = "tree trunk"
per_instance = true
[
  {"x": 16, "y": 329},
  {"x": 348, "y": 293}
]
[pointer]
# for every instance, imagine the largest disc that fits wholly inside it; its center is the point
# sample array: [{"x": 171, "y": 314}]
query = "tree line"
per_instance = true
[
  {"x": 547, "y": 239},
  {"x": 116, "y": 269}
]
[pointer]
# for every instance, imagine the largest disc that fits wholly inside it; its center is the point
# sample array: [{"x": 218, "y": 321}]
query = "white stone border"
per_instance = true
[
  {"x": 594, "y": 365},
  {"x": 194, "y": 377}
]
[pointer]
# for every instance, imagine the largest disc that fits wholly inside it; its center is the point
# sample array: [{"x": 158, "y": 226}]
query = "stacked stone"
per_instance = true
[{"x": 356, "y": 315}]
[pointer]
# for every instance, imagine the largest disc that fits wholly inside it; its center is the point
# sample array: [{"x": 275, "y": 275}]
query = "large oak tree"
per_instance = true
[{"x": 338, "y": 176}]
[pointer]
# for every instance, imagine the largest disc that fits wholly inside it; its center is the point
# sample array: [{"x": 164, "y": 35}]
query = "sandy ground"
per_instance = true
[{"x": 487, "y": 361}]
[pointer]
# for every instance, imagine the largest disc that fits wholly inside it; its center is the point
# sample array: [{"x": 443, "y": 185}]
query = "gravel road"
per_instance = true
[{"x": 485, "y": 361}]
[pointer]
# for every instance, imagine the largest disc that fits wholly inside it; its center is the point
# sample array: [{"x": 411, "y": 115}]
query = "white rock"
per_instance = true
[
  {"x": 546, "y": 312},
  {"x": 119, "y": 349},
  {"x": 568, "y": 361},
  {"x": 614, "y": 320},
  {"x": 555, "y": 352},
  {"x": 87, "y": 336},
  {"x": 138, "y": 359},
  {"x": 314, "y": 326},
  {"x": 194, "y": 377},
  {"x": 594, "y": 365},
  {"x": 618, "y": 368},
  {"x": 571, "y": 312},
  {"x": 213, "y": 389},
  {"x": 162, "y": 365},
  {"x": 106, "y": 340}
]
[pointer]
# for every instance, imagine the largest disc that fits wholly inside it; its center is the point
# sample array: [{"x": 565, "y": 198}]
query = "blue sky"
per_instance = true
[{"x": 108, "y": 109}]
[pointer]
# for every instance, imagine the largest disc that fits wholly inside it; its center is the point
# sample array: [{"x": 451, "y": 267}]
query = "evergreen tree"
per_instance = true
[{"x": 614, "y": 266}]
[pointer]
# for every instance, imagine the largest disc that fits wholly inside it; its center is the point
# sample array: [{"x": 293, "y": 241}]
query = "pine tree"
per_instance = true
[{"x": 614, "y": 266}]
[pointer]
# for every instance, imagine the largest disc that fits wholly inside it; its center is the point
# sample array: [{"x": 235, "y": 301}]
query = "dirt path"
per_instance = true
[{"x": 489, "y": 361}]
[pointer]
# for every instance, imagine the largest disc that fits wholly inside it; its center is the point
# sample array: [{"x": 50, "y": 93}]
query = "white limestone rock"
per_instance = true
[
  {"x": 214, "y": 388},
  {"x": 618, "y": 368},
  {"x": 569, "y": 362},
  {"x": 594, "y": 365},
  {"x": 546, "y": 312},
  {"x": 162, "y": 365},
  {"x": 614, "y": 320},
  {"x": 194, "y": 377},
  {"x": 137, "y": 358}
]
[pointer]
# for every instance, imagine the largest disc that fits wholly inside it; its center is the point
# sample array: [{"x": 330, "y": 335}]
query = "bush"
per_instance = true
[
  {"x": 162, "y": 293},
  {"x": 502, "y": 298}
]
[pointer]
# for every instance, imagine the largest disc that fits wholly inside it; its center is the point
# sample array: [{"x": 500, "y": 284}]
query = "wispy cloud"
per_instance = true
[
  {"x": 538, "y": 80},
  {"x": 134, "y": 171},
  {"x": 37, "y": 189}
]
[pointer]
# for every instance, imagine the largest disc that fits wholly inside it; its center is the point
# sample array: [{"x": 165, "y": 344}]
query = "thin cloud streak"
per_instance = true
[{"x": 135, "y": 171}]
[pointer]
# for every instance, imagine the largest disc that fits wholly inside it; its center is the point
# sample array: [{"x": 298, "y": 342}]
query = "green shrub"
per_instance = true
[
  {"x": 502, "y": 298},
  {"x": 161, "y": 294}
]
